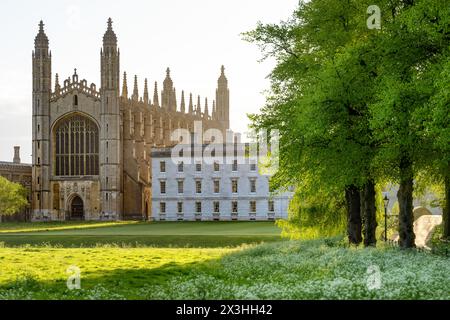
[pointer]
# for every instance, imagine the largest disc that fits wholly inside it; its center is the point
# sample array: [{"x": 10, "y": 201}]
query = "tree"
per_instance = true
[
  {"x": 351, "y": 103},
  {"x": 406, "y": 87},
  {"x": 12, "y": 197},
  {"x": 321, "y": 88},
  {"x": 436, "y": 129}
]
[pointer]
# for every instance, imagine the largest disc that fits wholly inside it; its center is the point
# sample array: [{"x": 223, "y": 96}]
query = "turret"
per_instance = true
[
  {"x": 156, "y": 96},
  {"x": 206, "y": 113},
  {"x": 167, "y": 94},
  {"x": 110, "y": 143},
  {"x": 57, "y": 85},
  {"x": 183, "y": 103},
  {"x": 110, "y": 58},
  {"x": 146, "y": 97},
  {"x": 135, "y": 96},
  {"x": 191, "y": 104},
  {"x": 42, "y": 86},
  {"x": 174, "y": 100},
  {"x": 125, "y": 86},
  {"x": 214, "y": 115},
  {"x": 223, "y": 100},
  {"x": 199, "y": 107}
]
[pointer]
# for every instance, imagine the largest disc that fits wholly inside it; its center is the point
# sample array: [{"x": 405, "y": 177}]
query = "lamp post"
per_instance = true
[{"x": 386, "y": 203}]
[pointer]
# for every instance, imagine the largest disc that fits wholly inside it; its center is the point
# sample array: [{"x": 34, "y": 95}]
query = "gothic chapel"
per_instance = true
[{"x": 92, "y": 146}]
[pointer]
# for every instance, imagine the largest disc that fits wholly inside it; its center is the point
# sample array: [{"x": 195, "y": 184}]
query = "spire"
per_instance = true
[
  {"x": 57, "y": 86},
  {"x": 110, "y": 61},
  {"x": 41, "y": 40},
  {"x": 223, "y": 100},
  {"x": 183, "y": 103},
  {"x": 206, "y": 113},
  {"x": 174, "y": 100},
  {"x": 222, "y": 74},
  {"x": 110, "y": 38},
  {"x": 168, "y": 100},
  {"x": 146, "y": 92},
  {"x": 42, "y": 62},
  {"x": 214, "y": 110},
  {"x": 125, "y": 86},
  {"x": 155, "y": 96},
  {"x": 199, "y": 107},
  {"x": 223, "y": 81},
  {"x": 191, "y": 104},
  {"x": 135, "y": 95}
]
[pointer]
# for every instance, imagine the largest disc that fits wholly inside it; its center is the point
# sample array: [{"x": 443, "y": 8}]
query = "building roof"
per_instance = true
[
  {"x": 12, "y": 165},
  {"x": 227, "y": 150}
]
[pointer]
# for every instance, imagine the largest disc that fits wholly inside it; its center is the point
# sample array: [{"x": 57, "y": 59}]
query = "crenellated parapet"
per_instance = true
[{"x": 73, "y": 83}]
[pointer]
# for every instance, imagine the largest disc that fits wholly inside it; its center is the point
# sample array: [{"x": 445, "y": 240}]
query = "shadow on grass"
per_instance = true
[
  {"x": 157, "y": 241},
  {"x": 130, "y": 284}
]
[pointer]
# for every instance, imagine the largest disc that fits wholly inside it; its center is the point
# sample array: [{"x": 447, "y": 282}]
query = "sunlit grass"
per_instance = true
[
  {"x": 50, "y": 264},
  {"x": 14, "y": 227}
]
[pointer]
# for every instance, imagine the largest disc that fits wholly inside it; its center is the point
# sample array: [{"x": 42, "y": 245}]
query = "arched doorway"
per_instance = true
[{"x": 77, "y": 209}]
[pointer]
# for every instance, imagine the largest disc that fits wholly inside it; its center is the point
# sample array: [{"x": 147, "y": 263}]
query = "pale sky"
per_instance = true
[{"x": 194, "y": 38}]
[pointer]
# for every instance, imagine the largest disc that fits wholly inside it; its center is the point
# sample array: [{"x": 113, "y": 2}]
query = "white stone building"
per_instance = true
[{"x": 212, "y": 190}]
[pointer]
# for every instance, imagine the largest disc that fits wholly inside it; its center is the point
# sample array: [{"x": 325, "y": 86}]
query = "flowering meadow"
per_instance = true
[{"x": 320, "y": 269}]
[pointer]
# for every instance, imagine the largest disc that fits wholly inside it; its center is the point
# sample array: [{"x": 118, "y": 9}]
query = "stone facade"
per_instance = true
[
  {"x": 92, "y": 146},
  {"x": 18, "y": 172},
  {"x": 188, "y": 189}
]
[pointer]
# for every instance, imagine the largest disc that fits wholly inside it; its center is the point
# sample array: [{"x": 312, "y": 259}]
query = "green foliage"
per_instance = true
[
  {"x": 314, "y": 216},
  {"x": 354, "y": 104},
  {"x": 12, "y": 197}
]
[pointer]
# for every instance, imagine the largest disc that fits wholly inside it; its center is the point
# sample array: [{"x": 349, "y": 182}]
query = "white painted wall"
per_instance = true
[{"x": 225, "y": 197}]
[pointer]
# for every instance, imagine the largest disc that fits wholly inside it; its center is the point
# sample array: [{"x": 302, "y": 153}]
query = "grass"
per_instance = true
[
  {"x": 19, "y": 227},
  {"x": 281, "y": 270},
  {"x": 157, "y": 234},
  {"x": 40, "y": 273},
  {"x": 207, "y": 261}
]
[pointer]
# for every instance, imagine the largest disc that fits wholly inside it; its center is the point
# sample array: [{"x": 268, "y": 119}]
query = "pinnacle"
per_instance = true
[
  {"x": 41, "y": 39},
  {"x": 110, "y": 37}
]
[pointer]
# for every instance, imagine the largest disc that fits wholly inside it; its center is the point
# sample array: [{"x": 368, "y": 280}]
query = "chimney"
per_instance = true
[{"x": 16, "y": 155}]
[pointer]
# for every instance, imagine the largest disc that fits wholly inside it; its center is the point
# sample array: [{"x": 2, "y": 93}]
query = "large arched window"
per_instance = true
[{"x": 77, "y": 145}]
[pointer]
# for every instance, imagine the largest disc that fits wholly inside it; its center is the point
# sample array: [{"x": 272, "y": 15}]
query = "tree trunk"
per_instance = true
[
  {"x": 353, "y": 199},
  {"x": 369, "y": 210},
  {"x": 405, "y": 203},
  {"x": 446, "y": 209}
]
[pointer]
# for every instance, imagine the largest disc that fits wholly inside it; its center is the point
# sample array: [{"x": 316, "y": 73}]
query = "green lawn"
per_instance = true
[
  {"x": 158, "y": 234},
  {"x": 206, "y": 261}
]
